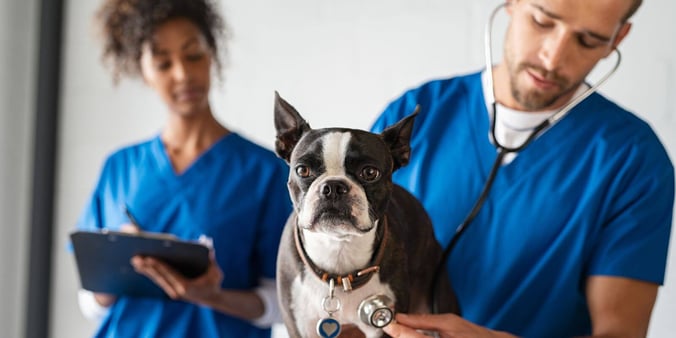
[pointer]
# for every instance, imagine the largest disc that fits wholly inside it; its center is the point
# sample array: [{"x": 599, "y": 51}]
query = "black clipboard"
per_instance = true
[{"x": 103, "y": 260}]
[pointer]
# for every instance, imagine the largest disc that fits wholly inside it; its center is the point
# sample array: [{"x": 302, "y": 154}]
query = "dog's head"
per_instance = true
[{"x": 340, "y": 179}]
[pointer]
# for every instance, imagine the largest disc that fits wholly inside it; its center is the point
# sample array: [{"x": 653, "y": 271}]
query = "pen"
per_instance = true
[
  {"x": 139, "y": 230},
  {"x": 131, "y": 217}
]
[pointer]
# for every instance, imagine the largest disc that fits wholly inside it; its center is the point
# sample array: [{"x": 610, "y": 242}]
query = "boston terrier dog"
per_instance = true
[{"x": 357, "y": 248}]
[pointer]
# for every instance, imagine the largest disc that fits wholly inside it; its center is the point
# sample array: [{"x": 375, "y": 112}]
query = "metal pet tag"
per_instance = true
[{"x": 328, "y": 328}]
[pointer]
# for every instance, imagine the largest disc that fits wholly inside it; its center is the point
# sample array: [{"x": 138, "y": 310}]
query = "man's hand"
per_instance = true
[{"x": 447, "y": 325}]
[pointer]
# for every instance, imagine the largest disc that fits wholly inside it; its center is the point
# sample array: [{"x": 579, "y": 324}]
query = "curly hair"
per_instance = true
[{"x": 127, "y": 24}]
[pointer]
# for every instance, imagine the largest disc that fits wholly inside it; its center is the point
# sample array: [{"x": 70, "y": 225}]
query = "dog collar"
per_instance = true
[{"x": 353, "y": 280}]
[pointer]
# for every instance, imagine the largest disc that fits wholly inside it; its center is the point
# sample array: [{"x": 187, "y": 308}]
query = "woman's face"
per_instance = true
[{"x": 176, "y": 63}]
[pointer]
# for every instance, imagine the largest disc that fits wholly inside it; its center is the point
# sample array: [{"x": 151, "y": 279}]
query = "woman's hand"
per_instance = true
[
  {"x": 129, "y": 228},
  {"x": 197, "y": 290},
  {"x": 447, "y": 325},
  {"x": 204, "y": 290},
  {"x": 104, "y": 299}
]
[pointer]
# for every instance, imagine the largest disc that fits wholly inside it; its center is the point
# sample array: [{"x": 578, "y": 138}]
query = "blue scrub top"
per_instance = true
[
  {"x": 234, "y": 193},
  {"x": 593, "y": 195}
]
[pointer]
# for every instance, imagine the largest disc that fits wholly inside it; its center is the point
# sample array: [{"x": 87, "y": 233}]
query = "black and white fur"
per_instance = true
[{"x": 341, "y": 186}]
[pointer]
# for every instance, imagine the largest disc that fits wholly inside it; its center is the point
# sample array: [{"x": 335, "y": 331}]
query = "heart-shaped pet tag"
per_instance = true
[{"x": 328, "y": 328}]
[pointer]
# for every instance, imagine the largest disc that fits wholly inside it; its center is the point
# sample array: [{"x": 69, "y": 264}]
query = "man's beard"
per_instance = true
[{"x": 535, "y": 100}]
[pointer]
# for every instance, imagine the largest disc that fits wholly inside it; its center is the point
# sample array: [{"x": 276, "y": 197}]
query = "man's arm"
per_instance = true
[{"x": 620, "y": 307}]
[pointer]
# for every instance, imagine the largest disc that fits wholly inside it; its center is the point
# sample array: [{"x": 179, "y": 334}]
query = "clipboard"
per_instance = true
[{"x": 103, "y": 260}]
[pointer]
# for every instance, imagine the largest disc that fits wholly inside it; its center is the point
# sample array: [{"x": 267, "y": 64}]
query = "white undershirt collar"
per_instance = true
[{"x": 513, "y": 126}]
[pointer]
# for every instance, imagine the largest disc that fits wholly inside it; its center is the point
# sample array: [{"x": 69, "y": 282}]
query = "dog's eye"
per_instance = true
[
  {"x": 303, "y": 171},
  {"x": 370, "y": 174}
]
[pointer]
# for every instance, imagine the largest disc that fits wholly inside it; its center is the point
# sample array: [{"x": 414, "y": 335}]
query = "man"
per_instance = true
[{"x": 572, "y": 238}]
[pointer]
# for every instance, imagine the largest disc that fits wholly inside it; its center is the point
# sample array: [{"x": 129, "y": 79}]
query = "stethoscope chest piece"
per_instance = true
[{"x": 376, "y": 311}]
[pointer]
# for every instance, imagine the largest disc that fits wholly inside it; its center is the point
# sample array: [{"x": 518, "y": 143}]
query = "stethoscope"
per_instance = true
[{"x": 504, "y": 150}]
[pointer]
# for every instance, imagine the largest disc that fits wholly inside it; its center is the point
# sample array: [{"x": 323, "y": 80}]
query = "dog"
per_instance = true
[{"x": 357, "y": 247}]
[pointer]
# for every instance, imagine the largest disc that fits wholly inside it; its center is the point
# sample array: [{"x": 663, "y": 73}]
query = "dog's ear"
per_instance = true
[
  {"x": 398, "y": 138},
  {"x": 290, "y": 127}
]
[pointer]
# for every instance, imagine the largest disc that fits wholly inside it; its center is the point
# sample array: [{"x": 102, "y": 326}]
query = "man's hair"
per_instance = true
[
  {"x": 632, "y": 10},
  {"x": 125, "y": 25}
]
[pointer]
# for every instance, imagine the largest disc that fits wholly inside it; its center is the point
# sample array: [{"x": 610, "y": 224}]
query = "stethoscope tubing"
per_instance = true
[{"x": 503, "y": 150}]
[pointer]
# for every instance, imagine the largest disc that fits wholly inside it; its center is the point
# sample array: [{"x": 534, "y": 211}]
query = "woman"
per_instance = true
[{"x": 195, "y": 178}]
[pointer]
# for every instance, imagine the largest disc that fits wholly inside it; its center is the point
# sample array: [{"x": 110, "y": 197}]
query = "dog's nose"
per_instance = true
[{"x": 334, "y": 189}]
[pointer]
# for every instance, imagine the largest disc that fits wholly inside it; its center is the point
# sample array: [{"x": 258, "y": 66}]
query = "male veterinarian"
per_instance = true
[{"x": 572, "y": 237}]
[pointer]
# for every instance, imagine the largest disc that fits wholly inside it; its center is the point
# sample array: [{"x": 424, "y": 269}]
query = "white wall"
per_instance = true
[
  {"x": 17, "y": 58},
  {"x": 338, "y": 62}
]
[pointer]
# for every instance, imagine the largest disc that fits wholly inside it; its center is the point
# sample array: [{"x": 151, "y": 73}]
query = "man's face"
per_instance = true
[{"x": 551, "y": 46}]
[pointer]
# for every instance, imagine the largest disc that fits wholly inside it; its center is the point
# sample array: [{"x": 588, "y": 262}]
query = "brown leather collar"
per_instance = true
[{"x": 352, "y": 280}]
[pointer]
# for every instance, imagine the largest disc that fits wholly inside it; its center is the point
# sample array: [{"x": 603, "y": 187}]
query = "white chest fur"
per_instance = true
[{"x": 341, "y": 257}]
